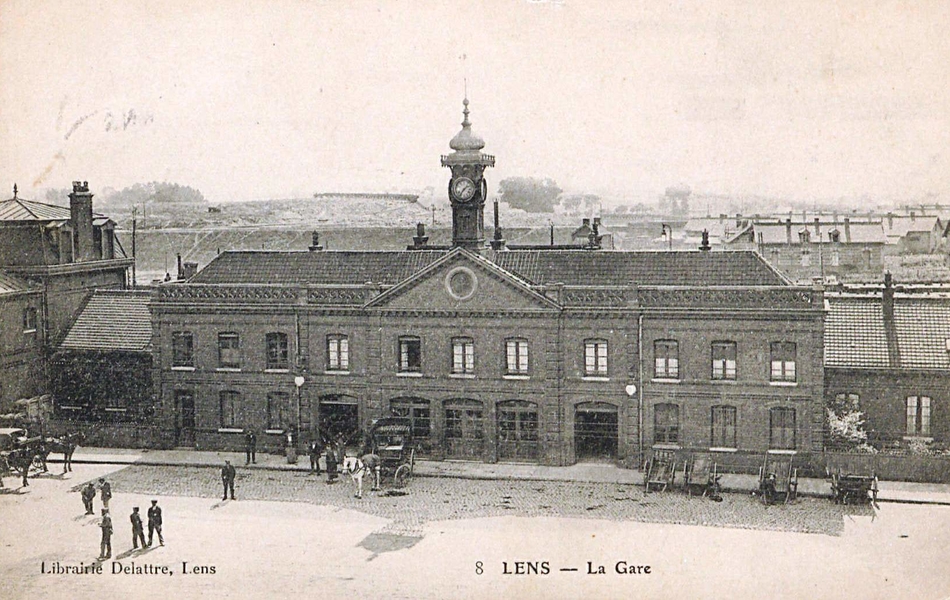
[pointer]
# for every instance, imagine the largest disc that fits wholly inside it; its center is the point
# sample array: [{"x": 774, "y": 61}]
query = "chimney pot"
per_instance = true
[{"x": 315, "y": 242}]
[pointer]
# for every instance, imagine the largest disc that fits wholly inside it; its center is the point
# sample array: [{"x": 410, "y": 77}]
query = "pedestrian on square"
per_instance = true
[
  {"x": 331, "y": 463},
  {"x": 105, "y": 489},
  {"x": 88, "y": 494},
  {"x": 314, "y": 450},
  {"x": 250, "y": 448},
  {"x": 138, "y": 532},
  {"x": 155, "y": 523},
  {"x": 105, "y": 546},
  {"x": 227, "y": 478}
]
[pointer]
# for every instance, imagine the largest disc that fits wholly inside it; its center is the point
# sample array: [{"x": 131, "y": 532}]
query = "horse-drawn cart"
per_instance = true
[{"x": 392, "y": 442}]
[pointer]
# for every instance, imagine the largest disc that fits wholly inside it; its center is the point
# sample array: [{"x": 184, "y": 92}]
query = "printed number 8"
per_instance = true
[{"x": 478, "y": 568}]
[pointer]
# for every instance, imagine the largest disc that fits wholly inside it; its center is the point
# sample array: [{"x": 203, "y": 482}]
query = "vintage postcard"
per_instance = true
[{"x": 485, "y": 299}]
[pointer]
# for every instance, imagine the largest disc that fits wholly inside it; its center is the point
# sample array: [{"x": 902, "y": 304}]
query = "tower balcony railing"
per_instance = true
[{"x": 466, "y": 158}]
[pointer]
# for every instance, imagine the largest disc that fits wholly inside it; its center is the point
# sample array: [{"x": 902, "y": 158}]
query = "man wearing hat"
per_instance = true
[
  {"x": 137, "y": 531},
  {"x": 155, "y": 523},
  {"x": 227, "y": 478},
  {"x": 105, "y": 546}
]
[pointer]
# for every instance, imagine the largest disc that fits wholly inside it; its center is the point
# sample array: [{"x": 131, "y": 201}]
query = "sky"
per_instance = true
[{"x": 263, "y": 99}]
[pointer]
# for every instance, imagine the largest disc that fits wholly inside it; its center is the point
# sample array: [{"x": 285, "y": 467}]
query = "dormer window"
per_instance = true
[
  {"x": 804, "y": 236},
  {"x": 835, "y": 236}
]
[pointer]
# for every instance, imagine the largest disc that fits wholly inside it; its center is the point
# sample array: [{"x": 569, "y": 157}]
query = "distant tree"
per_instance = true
[
  {"x": 571, "y": 203},
  {"x": 844, "y": 421},
  {"x": 160, "y": 192},
  {"x": 530, "y": 194},
  {"x": 622, "y": 209}
]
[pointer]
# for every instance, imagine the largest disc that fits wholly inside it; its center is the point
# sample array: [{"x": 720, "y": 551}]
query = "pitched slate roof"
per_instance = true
[
  {"x": 18, "y": 209},
  {"x": 861, "y": 233},
  {"x": 112, "y": 320},
  {"x": 538, "y": 267},
  {"x": 856, "y": 332},
  {"x": 12, "y": 285}
]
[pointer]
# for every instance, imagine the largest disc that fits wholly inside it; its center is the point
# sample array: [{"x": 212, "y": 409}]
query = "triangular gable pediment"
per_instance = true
[{"x": 462, "y": 280}]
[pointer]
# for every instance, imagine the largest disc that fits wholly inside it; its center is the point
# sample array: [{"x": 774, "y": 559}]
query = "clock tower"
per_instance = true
[{"x": 468, "y": 189}]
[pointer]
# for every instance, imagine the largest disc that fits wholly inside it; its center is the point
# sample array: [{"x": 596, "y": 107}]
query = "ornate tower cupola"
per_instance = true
[{"x": 468, "y": 189}]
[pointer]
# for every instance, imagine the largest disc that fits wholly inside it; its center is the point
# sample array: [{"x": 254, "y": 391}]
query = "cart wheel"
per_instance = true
[{"x": 401, "y": 478}]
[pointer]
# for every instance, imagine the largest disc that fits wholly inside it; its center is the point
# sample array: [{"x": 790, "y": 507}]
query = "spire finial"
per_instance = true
[
  {"x": 465, "y": 121},
  {"x": 14, "y": 191}
]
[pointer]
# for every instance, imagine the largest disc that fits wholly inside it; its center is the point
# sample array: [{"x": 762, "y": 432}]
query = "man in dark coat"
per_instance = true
[
  {"x": 250, "y": 447},
  {"x": 88, "y": 495},
  {"x": 315, "y": 449},
  {"x": 105, "y": 546},
  {"x": 331, "y": 463},
  {"x": 137, "y": 531},
  {"x": 155, "y": 523},
  {"x": 105, "y": 490},
  {"x": 227, "y": 478}
]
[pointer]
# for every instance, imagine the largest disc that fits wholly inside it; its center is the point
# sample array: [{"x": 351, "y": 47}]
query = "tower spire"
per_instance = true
[{"x": 14, "y": 191}]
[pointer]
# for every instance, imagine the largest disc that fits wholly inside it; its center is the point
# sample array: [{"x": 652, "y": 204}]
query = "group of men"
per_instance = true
[{"x": 88, "y": 494}]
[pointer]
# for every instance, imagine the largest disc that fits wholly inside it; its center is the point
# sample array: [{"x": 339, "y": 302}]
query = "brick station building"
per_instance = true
[{"x": 495, "y": 353}]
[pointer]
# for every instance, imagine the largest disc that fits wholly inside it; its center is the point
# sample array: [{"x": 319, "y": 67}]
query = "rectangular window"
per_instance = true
[
  {"x": 806, "y": 258},
  {"x": 229, "y": 408},
  {"x": 666, "y": 424},
  {"x": 666, "y": 356},
  {"x": 835, "y": 258},
  {"x": 277, "y": 405},
  {"x": 183, "y": 349},
  {"x": 278, "y": 355},
  {"x": 338, "y": 353},
  {"x": 724, "y": 360},
  {"x": 410, "y": 355},
  {"x": 29, "y": 319},
  {"x": 229, "y": 352},
  {"x": 918, "y": 415},
  {"x": 595, "y": 358},
  {"x": 782, "y": 429},
  {"x": 783, "y": 361},
  {"x": 516, "y": 356},
  {"x": 463, "y": 356},
  {"x": 723, "y": 427}
]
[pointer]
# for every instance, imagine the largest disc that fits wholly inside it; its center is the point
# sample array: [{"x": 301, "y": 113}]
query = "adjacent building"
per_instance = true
[
  {"x": 889, "y": 349},
  {"x": 51, "y": 260}
]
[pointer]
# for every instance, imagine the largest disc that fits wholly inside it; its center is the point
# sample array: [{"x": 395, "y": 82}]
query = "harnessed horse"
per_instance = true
[
  {"x": 65, "y": 445},
  {"x": 358, "y": 467}
]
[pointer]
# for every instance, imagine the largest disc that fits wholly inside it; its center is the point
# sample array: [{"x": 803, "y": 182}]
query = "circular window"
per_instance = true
[{"x": 461, "y": 283}]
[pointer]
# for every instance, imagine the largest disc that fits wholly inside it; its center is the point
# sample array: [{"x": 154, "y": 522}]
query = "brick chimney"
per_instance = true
[
  {"x": 704, "y": 246},
  {"x": 788, "y": 231},
  {"x": 498, "y": 239},
  {"x": 847, "y": 230},
  {"x": 890, "y": 330},
  {"x": 420, "y": 240},
  {"x": 315, "y": 242},
  {"x": 80, "y": 215},
  {"x": 189, "y": 269},
  {"x": 818, "y": 227}
]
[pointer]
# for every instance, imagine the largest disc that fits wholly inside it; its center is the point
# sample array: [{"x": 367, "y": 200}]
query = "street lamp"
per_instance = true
[
  {"x": 298, "y": 381},
  {"x": 667, "y": 231}
]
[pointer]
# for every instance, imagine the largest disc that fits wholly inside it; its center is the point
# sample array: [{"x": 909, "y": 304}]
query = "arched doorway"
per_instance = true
[
  {"x": 420, "y": 419},
  {"x": 338, "y": 415},
  {"x": 596, "y": 432},
  {"x": 518, "y": 435},
  {"x": 464, "y": 429}
]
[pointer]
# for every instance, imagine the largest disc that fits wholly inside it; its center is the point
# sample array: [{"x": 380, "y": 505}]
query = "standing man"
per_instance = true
[
  {"x": 227, "y": 478},
  {"x": 88, "y": 495},
  {"x": 106, "y": 490},
  {"x": 155, "y": 523},
  {"x": 331, "y": 463},
  {"x": 137, "y": 532},
  {"x": 314, "y": 450},
  {"x": 105, "y": 546},
  {"x": 250, "y": 447}
]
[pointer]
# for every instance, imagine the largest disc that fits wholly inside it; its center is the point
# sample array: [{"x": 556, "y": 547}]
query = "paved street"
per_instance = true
[{"x": 289, "y": 533}]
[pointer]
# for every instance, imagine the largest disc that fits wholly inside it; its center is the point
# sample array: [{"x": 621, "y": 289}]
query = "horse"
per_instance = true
[
  {"x": 358, "y": 467},
  {"x": 65, "y": 445},
  {"x": 20, "y": 461}
]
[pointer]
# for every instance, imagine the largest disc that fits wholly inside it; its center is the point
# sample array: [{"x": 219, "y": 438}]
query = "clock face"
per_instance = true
[{"x": 463, "y": 188}]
